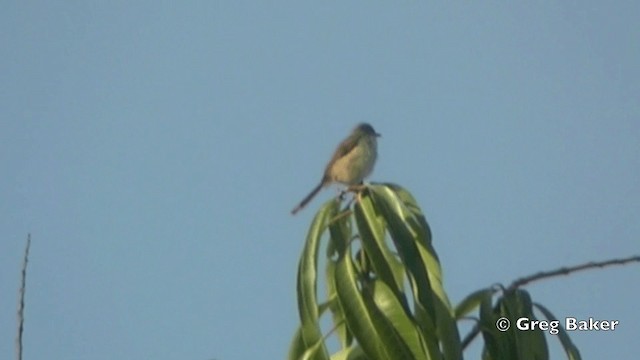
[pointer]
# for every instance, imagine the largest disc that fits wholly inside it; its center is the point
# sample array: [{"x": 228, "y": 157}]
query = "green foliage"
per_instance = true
[{"x": 384, "y": 294}]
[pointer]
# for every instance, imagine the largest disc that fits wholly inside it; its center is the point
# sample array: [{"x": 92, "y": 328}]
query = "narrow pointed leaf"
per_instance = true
[
  {"x": 412, "y": 238},
  {"x": 410, "y": 333},
  {"x": 310, "y": 331},
  {"x": 374, "y": 334},
  {"x": 471, "y": 302},
  {"x": 565, "y": 340}
]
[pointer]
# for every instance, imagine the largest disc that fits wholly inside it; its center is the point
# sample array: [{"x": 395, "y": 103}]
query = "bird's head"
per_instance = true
[{"x": 365, "y": 129}]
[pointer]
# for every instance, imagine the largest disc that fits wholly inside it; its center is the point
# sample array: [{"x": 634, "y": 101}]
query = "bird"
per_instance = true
[{"x": 350, "y": 164}]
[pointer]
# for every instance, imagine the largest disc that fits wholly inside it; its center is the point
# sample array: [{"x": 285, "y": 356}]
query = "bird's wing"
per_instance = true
[{"x": 343, "y": 149}]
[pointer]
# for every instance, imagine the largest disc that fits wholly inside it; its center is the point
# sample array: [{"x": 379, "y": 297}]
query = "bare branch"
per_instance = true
[
  {"x": 21, "y": 293},
  {"x": 568, "y": 270}
]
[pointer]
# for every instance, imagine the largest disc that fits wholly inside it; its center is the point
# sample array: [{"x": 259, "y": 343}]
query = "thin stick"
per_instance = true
[
  {"x": 21, "y": 292},
  {"x": 568, "y": 270}
]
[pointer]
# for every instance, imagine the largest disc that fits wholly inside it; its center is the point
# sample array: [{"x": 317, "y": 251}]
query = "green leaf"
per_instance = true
[
  {"x": 493, "y": 348},
  {"x": 472, "y": 301},
  {"x": 529, "y": 344},
  {"x": 351, "y": 353},
  {"x": 386, "y": 265},
  {"x": 310, "y": 331},
  {"x": 565, "y": 340},
  {"x": 374, "y": 334},
  {"x": 410, "y": 333},
  {"x": 297, "y": 347},
  {"x": 412, "y": 238},
  {"x": 342, "y": 331},
  {"x": 404, "y": 240}
]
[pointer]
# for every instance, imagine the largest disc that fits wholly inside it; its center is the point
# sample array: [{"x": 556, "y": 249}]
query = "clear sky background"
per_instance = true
[{"x": 155, "y": 149}]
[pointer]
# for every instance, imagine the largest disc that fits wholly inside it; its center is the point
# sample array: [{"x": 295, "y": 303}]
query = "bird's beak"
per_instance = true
[{"x": 378, "y": 135}]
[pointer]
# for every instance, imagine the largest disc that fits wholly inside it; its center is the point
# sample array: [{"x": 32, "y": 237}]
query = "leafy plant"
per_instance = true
[{"x": 384, "y": 297}]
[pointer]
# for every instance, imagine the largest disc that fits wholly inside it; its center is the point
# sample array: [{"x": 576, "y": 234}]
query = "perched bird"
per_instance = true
[{"x": 352, "y": 161}]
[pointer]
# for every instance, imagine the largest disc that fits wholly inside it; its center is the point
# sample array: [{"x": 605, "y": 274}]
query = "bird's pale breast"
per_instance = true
[{"x": 353, "y": 167}]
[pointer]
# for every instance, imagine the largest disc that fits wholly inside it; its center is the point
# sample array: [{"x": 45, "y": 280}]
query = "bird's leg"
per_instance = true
[
  {"x": 341, "y": 197},
  {"x": 342, "y": 194},
  {"x": 357, "y": 190},
  {"x": 350, "y": 201}
]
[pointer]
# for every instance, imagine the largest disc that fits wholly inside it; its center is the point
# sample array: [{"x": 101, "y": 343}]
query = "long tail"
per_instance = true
[{"x": 306, "y": 200}]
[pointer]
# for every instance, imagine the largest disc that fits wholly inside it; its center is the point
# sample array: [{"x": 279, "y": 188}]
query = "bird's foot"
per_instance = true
[{"x": 358, "y": 188}]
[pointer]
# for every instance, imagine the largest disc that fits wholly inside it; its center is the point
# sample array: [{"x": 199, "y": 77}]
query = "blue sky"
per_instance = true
[{"x": 155, "y": 149}]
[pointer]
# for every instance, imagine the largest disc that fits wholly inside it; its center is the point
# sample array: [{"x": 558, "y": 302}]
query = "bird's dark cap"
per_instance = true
[{"x": 368, "y": 129}]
